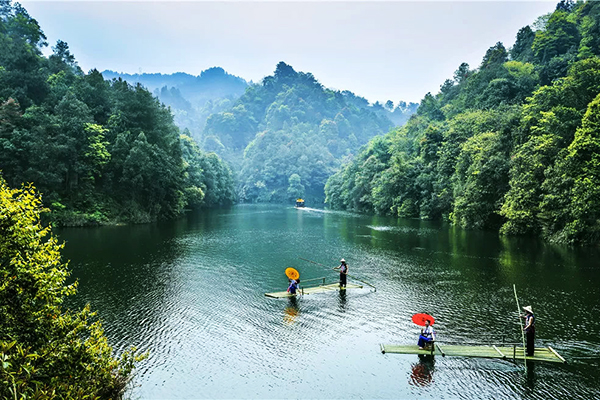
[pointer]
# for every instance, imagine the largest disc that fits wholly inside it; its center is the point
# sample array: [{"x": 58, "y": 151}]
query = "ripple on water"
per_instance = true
[{"x": 195, "y": 301}]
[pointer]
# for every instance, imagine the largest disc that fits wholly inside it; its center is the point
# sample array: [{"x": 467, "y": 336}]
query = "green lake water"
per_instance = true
[{"x": 191, "y": 293}]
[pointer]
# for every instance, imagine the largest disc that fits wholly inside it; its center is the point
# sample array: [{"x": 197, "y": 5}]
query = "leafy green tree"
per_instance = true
[
  {"x": 494, "y": 56},
  {"x": 296, "y": 188},
  {"x": 480, "y": 181},
  {"x": 590, "y": 30},
  {"x": 521, "y": 51},
  {"x": 47, "y": 351},
  {"x": 570, "y": 211},
  {"x": 560, "y": 35}
]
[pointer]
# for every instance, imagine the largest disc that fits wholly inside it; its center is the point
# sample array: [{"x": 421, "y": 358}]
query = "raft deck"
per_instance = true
[
  {"x": 314, "y": 289},
  {"x": 489, "y": 351}
]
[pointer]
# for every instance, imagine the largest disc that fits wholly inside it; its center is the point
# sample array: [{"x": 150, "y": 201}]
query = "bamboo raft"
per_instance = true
[
  {"x": 489, "y": 351},
  {"x": 314, "y": 289}
]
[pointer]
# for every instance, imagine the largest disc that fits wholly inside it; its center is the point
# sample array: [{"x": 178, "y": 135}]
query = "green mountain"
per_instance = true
[
  {"x": 512, "y": 145},
  {"x": 100, "y": 151},
  {"x": 288, "y": 133}
]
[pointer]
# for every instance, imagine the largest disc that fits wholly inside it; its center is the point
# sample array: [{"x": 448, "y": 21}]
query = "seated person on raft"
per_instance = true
[
  {"x": 293, "y": 286},
  {"x": 427, "y": 336}
]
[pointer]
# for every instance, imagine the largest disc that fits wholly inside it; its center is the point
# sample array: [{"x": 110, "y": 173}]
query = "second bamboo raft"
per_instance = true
[
  {"x": 314, "y": 289},
  {"x": 490, "y": 351}
]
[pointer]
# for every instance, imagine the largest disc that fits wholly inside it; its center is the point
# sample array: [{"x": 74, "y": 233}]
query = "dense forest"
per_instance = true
[
  {"x": 99, "y": 151},
  {"x": 288, "y": 134},
  {"x": 512, "y": 145},
  {"x": 192, "y": 98}
]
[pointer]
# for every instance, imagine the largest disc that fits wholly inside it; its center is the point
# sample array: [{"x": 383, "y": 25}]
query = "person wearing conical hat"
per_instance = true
[
  {"x": 343, "y": 267},
  {"x": 529, "y": 329}
]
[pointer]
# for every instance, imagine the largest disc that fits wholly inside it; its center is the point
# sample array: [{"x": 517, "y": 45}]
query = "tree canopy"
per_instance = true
[
  {"x": 287, "y": 134},
  {"x": 510, "y": 145},
  {"x": 100, "y": 151}
]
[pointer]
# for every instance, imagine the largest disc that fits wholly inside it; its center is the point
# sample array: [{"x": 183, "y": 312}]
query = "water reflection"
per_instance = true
[
  {"x": 422, "y": 371},
  {"x": 531, "y": 378},
  {"x": 192, "y": 293},
  {"x": 291, "y": 311},
  {"x": 342, "y": 301}
]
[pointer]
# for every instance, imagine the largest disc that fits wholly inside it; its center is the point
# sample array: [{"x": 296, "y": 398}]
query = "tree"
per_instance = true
[
  {"x": 45, "y": 351},
  {"x": 296, "y": 188},
  {"x": 461, "y": 73},
  {"x": 570, "y": 211},
  {"x": 521, "y": 51},
  {"x": 560, "y": 36},
  {"x": 494, "y": 56}
]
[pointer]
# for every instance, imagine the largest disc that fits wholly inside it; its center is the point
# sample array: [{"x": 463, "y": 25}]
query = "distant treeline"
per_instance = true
[
  {"x": 99, "y": 151},
  {"x": 288, "y": 134},
  {"x": 512, "y": 145}
]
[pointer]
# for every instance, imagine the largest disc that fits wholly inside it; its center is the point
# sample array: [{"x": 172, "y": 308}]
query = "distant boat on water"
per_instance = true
[{"x": 299, "y": 203}]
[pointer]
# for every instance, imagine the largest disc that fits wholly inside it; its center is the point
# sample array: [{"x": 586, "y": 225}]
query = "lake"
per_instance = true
[{"x": 191, "y": 293}]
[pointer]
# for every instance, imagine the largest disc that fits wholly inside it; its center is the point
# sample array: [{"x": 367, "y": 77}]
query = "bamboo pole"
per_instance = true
[
  {"x": 498, "y": 350},
  {"x": 440, "y": 349},
  {"x": 521, "y": 325},
  {"x": 361, "y": 280},
  {"x": 556, "y": 354},
  {"x": 351, "y": 276}
]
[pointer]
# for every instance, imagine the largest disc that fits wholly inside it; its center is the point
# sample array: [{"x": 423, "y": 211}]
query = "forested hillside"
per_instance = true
[
  {"x": 191, "y": 98},
  {"x": 288, "y": 134},
  {"x": 99, "y": 151},
  {"x": 513, "y": 144}
]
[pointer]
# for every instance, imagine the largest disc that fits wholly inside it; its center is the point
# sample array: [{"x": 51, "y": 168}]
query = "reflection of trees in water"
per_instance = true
[
  {"x": 422, "y": 372},
  {"x": 291, "y": 311}
]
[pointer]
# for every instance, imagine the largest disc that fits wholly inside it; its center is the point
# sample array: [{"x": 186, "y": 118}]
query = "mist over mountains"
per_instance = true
[
  {"x": 213, "y": 83},
  {"x": 286, "y": 128}
]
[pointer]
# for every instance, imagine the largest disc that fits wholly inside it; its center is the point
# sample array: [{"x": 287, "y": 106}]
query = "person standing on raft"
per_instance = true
[
  {"x": 427, "y": 336},
  {"x": 343, "y": 267},
  {"x": 529, "y": 329}
]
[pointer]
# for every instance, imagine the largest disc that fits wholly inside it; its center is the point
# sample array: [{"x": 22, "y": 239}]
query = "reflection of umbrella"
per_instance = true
[
  {"x": 420, "y": 319},
  {"x": 292, "y": 273}
]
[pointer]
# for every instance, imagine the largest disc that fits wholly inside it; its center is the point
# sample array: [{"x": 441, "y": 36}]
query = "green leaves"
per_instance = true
[
  {"x": 45, "y": 351},
  {"x": 514, "y": 144}
]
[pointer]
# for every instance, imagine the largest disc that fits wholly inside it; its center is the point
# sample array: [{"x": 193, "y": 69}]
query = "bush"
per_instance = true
[{"x": 45, "y": 351}]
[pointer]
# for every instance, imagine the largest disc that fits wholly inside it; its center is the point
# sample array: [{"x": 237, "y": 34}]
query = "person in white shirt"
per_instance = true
[
  {"x": 427, "y": 335},
  {"x": 343, "y": 268}
]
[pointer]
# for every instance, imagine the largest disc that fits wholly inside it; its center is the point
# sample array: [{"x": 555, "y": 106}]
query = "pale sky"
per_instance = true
[{"x": 379, "y": 50}]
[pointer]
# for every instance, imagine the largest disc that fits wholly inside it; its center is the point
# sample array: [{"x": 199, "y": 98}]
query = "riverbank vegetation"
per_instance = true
[
  {"x": 47, "y": 351},
  {"x": 100, "y": 151},
  {"x": 511, "y": 145}
]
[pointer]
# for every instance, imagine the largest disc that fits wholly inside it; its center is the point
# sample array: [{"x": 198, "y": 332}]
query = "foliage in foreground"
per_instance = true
[{"x": 45, "y": 350}]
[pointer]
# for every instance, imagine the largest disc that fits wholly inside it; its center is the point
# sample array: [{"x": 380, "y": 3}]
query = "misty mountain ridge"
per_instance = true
[
  {"x": 213, "y": 83},
  {"x": 288, "y": 133}
]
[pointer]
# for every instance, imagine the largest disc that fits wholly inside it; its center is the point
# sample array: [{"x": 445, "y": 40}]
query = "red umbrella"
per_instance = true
[{"x": 420, "y": 319}]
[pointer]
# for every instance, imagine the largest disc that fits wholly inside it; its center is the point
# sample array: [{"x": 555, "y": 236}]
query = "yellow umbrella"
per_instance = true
[{"x": 292, "y": 273}]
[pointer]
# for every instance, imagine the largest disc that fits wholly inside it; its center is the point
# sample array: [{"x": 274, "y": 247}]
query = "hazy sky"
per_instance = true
[{"x": 378, "y": 50}]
